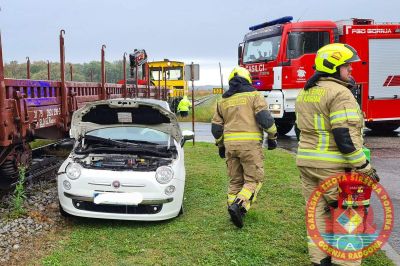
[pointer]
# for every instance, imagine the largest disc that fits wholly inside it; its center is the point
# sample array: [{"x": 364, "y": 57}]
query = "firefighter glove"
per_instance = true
[
  {"x": 272, "y": 142},
  {"x": 221, "y": 151},
  {"x": 366, "y": 169}
]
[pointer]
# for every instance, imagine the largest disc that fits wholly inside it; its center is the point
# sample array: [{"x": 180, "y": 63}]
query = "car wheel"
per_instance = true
[
  {"x": 181, "y": 211},
  {"x": 62, "y": 212},
  {"x": 283, "y": 128}
]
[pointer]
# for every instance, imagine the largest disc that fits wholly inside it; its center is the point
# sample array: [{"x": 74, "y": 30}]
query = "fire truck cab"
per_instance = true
[{"x": 280, "y": 56}]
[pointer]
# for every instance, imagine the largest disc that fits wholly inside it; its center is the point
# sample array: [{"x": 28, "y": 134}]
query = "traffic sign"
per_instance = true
[{"x": 218, "y": 90}]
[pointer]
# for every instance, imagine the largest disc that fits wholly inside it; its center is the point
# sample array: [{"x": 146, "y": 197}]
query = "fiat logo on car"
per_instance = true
[{"x": 116, "y": 184}]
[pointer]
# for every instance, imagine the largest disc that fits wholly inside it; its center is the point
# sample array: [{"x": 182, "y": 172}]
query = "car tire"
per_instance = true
[
  {"x": 181, "y": 211},
  {"x": 283, "y": 128},
  {"x": 62, "y": 212}
]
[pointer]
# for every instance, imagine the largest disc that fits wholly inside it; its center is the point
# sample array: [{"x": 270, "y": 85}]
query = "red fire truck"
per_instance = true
[{"x": 280, "y": 56}]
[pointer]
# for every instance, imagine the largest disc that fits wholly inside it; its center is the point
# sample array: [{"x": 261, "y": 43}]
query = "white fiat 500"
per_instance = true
[{"x": 127, "y": 162}]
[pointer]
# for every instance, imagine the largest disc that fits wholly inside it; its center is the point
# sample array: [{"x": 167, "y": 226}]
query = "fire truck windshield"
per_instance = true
[{"x": 261, "y": 50}]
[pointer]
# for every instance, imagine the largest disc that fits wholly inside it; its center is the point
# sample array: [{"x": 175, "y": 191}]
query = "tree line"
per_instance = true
[{"x": 80, "y": 72}]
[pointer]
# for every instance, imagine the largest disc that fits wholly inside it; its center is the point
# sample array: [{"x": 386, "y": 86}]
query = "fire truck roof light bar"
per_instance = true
[{"x": 272, "y": 22}]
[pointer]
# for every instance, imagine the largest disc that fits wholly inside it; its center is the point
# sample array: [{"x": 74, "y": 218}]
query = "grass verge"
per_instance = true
[
  {"x": 274, "y": 231},
  {"x": 40, "y": 142},
  {"x": 203, "y": 113}
]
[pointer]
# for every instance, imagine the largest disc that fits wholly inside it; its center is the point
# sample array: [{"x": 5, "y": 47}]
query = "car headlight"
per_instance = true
[
  {"x": 73, "y": 171},
  {"x": 164, "y": 174}
]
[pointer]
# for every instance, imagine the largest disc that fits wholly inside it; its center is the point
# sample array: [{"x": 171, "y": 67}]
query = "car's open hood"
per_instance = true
[{"x": 147, "y": 113}]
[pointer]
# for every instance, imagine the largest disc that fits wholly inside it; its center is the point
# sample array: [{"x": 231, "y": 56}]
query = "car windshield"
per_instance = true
[
  {"x": 132, "y": 134},
  {"x": 261, "y": 50}
]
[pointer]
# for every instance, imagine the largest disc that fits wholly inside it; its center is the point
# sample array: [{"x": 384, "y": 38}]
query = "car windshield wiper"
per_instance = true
[
  {"x": 136, "y": 149},
  {"x": 137, "y": 141},
  {"x": 109, "y": 141},
  {"x": 159, "y": 146}
]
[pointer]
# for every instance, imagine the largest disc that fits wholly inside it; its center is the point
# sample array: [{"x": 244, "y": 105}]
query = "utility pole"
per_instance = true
[{"x": 220, "y": 74}]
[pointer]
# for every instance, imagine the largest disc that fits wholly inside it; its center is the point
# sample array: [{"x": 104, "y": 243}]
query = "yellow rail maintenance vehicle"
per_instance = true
[{"x": 169, "y": 74}]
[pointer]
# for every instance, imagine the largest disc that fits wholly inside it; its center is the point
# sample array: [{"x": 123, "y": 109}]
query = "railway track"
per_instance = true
[
  {"x": 45, "y": 159},
  {"x": 204, "y": 99},
  {"x": 48, "y": 158}
]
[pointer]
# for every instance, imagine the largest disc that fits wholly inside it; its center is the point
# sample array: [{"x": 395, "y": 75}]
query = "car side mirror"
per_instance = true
[
  {"x": 240, "y": 52},
  {"x": 187, "y": 135}
]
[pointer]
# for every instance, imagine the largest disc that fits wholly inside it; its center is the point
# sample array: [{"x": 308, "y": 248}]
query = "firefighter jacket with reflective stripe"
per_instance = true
[
  {"x": 321, "y": 111},
  {"x": 242, "y": 117}
]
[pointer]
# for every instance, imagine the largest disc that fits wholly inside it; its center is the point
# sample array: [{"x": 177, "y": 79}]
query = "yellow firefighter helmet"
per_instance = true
[
  {"x": 331, "y": 56},
  {"x": 241, "y": 72}
]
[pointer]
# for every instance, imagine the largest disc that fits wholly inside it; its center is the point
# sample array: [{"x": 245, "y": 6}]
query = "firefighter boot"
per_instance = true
[
  {"x": 237, "y": 212},
  {"x": 236, "y": 215}
]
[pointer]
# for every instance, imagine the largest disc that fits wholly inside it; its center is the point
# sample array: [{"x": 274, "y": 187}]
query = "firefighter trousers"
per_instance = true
[
  {"x": 246, "y": 173},
  {"x": 311, "y": 179}
]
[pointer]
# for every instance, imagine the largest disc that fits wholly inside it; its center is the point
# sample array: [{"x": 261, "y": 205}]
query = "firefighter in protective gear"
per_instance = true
[
  {"x": 184, "y": 106},
  {"x": 330, "y": 124},
  {"x": 238, "y": 124}
]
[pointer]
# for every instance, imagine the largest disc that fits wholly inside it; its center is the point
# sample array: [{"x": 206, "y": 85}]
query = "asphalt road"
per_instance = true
[{"x": 385, "y": 158}]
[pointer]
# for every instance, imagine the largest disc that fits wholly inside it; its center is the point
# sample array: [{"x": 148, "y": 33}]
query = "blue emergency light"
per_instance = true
[{"x": 272, "y": 22}]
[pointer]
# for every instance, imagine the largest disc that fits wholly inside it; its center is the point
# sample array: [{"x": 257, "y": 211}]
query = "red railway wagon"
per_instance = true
[{"x": 32, "y": 109}]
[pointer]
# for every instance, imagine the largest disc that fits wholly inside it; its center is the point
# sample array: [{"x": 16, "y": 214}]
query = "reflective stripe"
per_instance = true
[
  {"x": 259, "y": 185},
  {"x": 323, "y": 135},
  {"x": 219, "y": 140},
  {"x": 343, "y": 112},
  {"x": 355, "y": 157},
  {"x": 247, "y": 206},
  {"x": 271, "y": 130},
  {"x": 245, "y": 193},
  {"x": 330, "y": 156},
  {"x": 242, "y": 136},
  {"x": 231, "y": 198},
  {"x": 343, "y": 115},
  {"x": 321, "y": 155}
]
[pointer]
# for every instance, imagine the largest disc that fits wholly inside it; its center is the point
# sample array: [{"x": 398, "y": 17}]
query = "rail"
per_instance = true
[{"x": 203, "y": 100}]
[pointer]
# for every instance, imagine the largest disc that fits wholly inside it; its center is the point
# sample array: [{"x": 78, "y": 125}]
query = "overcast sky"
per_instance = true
[{"x": 203, "y": 31}]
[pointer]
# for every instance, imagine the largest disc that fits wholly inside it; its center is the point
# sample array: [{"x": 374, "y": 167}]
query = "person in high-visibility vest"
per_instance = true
[
  {"x": 330, "y": 123},
  {"x": 184, "y": 106},
  {"x": 238, "y": 124}
]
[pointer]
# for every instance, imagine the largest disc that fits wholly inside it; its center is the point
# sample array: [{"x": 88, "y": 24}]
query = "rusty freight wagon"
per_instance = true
[{"x": 32, "y": 109}]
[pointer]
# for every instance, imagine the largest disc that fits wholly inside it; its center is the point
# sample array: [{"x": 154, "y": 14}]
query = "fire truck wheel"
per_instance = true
[
  {"x": 383, "y": 128},
  {"x": 283, "y": 128},
  {"x": 297, "y": 131}
]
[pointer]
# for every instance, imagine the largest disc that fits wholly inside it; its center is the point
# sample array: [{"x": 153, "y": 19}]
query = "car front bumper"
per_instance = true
[{"x": 156, "y": 205}]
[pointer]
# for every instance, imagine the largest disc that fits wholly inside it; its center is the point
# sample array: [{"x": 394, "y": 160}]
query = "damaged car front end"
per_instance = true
[{"x": 127, "y": 162}]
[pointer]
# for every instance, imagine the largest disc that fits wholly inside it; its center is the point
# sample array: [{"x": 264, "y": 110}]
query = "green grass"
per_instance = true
[
  {"x": 274, "y": 231},
  {"x": 40, "y": 142},
  {"x": 203, "y": 113}
]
